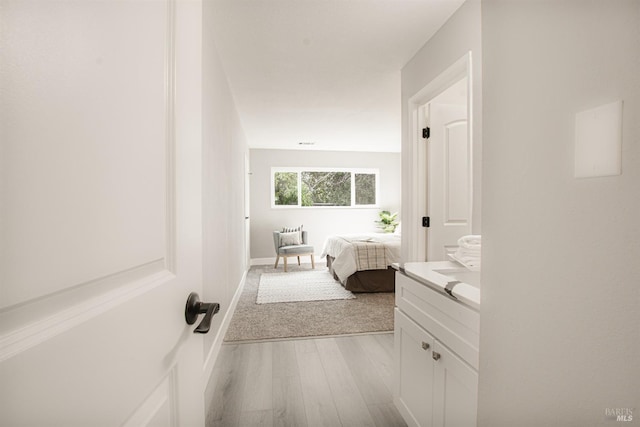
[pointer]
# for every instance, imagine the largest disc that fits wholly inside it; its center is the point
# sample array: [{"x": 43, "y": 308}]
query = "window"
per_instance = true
[
  {"x": 322, "y": 187},
  {"x": 286, "y": 188}
]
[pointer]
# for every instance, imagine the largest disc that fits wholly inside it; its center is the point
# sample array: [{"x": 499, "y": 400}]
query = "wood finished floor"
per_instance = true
[{"x": 339, "y": 381}]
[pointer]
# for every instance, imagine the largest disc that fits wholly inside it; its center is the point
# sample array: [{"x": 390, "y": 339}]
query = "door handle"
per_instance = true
[{"x": 196, "y": 307}]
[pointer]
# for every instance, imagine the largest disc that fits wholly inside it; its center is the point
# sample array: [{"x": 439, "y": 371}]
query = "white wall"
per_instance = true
[
  {"x": 458, "y": 36},
  {"x": 559, "y": 337},
  {"x": 224, "y": 149},
  {"x": 319, "y": 222}
]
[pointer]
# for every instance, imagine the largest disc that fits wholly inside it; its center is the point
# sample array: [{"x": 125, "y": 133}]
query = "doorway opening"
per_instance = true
[
  {"x": 441, "y": 128},
  {"x": 448, "y": 170}
]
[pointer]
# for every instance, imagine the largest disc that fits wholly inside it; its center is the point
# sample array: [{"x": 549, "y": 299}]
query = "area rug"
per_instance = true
[
  {"x": 294, "y": 286},
  {"x": 258, "y": 322}
]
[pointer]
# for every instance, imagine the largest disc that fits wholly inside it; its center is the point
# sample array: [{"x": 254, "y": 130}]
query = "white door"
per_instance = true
[
  {"x": 449, "y": 179},
  {"x": 100, "y": 213}
]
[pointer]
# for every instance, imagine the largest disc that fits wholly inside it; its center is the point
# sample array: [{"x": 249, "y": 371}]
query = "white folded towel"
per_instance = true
[
  {"x": 470, "y": 242},
  {"x": 469, "y": 250}
]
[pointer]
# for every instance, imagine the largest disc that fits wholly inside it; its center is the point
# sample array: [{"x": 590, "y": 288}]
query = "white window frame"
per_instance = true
[{"x": 299, "y": 171}]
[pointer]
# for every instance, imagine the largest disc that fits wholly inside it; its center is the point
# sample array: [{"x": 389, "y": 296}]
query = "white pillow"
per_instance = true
[
  {"x": 292, "y": 229},
  {"x": 290, "y": 239}
]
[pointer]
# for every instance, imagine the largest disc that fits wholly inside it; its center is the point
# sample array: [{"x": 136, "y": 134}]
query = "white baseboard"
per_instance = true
[
  {"x": 272, "y": 260},
  {"x": 263, "y": 261},
  {"x": 214, "y": 351}
]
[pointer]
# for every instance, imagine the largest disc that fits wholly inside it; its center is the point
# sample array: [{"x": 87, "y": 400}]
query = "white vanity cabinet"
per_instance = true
[{"x": 436, "y": 357}]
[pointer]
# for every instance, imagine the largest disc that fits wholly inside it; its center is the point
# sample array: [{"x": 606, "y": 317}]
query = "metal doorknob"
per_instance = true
[{"x": 196, "y": 307}]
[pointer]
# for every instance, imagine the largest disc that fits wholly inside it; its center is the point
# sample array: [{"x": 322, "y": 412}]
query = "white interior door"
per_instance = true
[
  {"x": 101, "y": 213},
  {"x": 449, "y": 178}
]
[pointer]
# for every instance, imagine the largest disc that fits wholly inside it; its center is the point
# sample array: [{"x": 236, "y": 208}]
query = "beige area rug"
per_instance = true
[
  {"x": 365, "y": 313},
  {"x": 296, "y": 286}
]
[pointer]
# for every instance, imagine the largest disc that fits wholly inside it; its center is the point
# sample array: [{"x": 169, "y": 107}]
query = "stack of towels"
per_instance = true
[{"x": 468, "y": 252}]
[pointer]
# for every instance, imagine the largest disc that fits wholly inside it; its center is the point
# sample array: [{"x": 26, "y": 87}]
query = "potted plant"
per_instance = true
[{"x": 388, "y": 221}]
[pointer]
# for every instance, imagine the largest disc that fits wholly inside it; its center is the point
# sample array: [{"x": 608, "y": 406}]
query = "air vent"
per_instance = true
[{"x": 306, "y": 143}]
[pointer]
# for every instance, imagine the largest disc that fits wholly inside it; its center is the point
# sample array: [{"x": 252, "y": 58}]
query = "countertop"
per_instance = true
[{"x": 464, "y": 284}]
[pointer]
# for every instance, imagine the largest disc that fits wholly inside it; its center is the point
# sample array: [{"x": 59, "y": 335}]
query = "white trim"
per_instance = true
[
  {"x": 417, "y": 236},
  {"x": 22, "y": 337},
  {"x": 272, "y": 260},
  {"x": 263, "y": 261},
  {"x": 214, "y": 351}
]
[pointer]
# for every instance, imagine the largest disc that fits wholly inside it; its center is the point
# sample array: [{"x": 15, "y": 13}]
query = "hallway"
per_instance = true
[{"x": 335, "y": 381}]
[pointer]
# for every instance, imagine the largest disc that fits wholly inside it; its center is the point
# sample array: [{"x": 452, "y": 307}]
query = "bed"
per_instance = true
[{"x": 362, "y": 262}]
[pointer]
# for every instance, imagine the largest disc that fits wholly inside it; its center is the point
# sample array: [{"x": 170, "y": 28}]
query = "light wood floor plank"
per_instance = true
[
  {"x": 305, "y": 346},
  {"x": 229, "y": 387},
  {"x": 386, "y": 415},
  {"x": 351, "y": 407},
  {"x": 371, "y": 385},
  {"x": 386, "y": 341},
  {"x": 262, "y": 418},
  {"x": 259, "y": 388},
  {"x": 381, "y": 360},
  {"x": 285, "y": 363},
  {"x": 336, "y": 382},
  {"x": 318, "y": 401},
  {"x": 288, "y": 404}
]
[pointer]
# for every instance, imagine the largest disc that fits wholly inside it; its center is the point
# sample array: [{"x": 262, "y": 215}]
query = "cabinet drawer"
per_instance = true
[{"x": 455, "y": 325}]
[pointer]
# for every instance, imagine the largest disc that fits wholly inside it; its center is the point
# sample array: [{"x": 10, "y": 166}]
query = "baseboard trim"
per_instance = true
[
  {"x": 263, "y": 261},
  {"x": 272, "y": 260},
  {"x": 214, "y": 351}
]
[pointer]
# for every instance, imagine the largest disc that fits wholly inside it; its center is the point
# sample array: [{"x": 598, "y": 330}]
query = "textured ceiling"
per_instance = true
[{"x": 322, "y": 71}]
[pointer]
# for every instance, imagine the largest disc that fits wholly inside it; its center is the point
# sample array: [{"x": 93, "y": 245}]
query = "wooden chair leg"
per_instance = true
[
  {"x": 298, "y": 260},
  {"x": 313, "y": 264},
  {"x": 277, "y": 259},
  {"x": 285, "y": 264}
]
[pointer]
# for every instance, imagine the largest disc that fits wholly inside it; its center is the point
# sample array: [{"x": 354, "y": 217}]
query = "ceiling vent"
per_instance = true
[{"x": 306, "y": 143}]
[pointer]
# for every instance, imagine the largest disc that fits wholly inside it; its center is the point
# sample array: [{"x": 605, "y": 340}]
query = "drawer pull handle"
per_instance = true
[
  {"x": 425, "y": 345},
  {"x": 436, "y": 356}
]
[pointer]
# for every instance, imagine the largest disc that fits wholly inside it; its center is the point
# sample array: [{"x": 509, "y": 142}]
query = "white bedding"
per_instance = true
[{"x": 340, "y": 248}]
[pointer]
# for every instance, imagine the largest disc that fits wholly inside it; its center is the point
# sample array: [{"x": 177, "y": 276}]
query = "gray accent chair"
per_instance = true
[{"x": 294, "y": 250}]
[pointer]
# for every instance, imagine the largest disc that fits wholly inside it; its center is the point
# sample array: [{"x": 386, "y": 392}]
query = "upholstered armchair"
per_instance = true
[{"x": 287, "y": 246}]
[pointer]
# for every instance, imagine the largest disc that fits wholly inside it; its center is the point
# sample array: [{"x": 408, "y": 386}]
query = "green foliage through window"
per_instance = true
[
  {"x": 286, "y": 188},
  {"x": 324, "y": 188},
  {"x": 365, "y": 189}
]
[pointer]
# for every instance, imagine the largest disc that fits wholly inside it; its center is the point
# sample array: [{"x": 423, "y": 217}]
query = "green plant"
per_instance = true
[{"x": 388, "y": 221}]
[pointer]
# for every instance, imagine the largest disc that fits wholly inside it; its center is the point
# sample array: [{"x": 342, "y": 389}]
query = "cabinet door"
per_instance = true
[
  {"x": 414, "y": 371},
  {"x": 455, "y": 390}
]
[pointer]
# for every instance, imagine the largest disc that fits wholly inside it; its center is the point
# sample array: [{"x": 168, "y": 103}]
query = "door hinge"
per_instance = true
[
  {"x": 426, "y": 221},
  {"x": 426, "y": 132}
]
